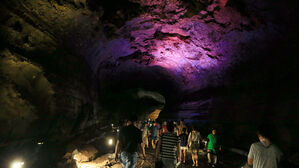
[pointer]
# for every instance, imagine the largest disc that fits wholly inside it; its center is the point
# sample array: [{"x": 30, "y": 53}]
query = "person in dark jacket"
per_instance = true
[{"x": 130, "y": 138}]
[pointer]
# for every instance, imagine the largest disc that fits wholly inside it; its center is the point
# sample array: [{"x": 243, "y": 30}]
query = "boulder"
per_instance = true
[{"x": 85, "y": 154}]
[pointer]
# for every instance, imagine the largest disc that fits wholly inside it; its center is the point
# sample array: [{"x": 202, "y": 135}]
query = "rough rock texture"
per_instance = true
[
  {"x": 107, "y": 160},
  {"x": 66, "y": 66},
  {"x": 45, "y": 93},
  {"x": 84, "y": 154},
  {"x": 188, "y": 47},
  {"x": 194, "y": 52}
]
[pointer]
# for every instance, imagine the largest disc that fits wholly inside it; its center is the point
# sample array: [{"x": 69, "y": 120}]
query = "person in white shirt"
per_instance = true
[{"x": 264, "y": 154}]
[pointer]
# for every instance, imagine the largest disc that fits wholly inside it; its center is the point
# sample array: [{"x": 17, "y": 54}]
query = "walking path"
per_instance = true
[{"x": 107, "y": 161}]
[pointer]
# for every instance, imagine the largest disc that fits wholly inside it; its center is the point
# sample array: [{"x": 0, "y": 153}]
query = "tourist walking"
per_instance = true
[
  {"x": 145, "y": 135},
  {"x": 139, "y": 125},
  {"x": 180, "y": 128},
  {"x": 213, "y": 148},
  {"x": 183, "y": 145},
  {"x": 168, "y": 149},
  {"x": 164, "y": 127},
  {"x": 175, "y": 125},
  {"x": 155, "y": 134},
  {"x": 264, "y": 154},
  {"x": 130, "y": 138},
  {"x": 194, "y": 144}
]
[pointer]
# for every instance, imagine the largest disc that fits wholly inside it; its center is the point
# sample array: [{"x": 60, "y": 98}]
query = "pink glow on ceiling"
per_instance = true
[{"x": 174, "y": 55}]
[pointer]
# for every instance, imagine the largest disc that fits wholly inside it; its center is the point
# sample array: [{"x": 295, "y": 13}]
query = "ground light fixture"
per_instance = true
[
  {"x": 17, "y": 164},
  {"x": 110, "y": 141}
]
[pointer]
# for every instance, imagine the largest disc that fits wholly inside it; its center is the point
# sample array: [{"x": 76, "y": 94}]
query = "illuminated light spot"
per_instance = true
[
  {"x": 17, "y": 164},
  {"x": 110, "y": 141}
]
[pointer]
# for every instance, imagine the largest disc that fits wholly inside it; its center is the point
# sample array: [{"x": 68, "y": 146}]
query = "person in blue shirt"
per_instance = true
[{"x": 154, "y": 135}]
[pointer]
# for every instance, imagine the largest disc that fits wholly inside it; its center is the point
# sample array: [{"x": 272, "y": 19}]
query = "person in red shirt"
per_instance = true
[{"x": 164, "y": 127}]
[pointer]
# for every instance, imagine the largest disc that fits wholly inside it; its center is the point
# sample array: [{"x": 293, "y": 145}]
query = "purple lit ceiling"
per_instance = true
[{"x": 196, "y": 50}]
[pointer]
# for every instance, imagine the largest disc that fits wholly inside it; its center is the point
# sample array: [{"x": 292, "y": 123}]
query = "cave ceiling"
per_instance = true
[{"x": 178, "y": 48}]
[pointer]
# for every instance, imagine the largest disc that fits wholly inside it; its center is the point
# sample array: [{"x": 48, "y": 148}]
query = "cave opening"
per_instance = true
[{"x": 73, "y": 71}]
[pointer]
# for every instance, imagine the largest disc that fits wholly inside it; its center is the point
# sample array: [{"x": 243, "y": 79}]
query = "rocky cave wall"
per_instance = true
[{"x": 44, "y": 87}]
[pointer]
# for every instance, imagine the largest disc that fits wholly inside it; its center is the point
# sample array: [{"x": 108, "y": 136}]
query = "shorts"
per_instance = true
[
  {"x": 195, "y": 147},
  {"x": 183, "y": 147},
  {"x": 155, "y": 138}
]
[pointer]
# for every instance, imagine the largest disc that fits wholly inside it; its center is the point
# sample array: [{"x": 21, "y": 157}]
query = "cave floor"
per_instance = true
[{"x": 226, "y": 160}]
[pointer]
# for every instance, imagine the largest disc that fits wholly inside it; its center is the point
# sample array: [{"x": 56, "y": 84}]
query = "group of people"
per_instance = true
[
  {"x": 170, "y": 142},
  {"x": 178, "y": 136}
]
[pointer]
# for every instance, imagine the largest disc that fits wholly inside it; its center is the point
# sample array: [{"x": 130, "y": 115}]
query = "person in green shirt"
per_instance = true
[{"x": 213, "y": 147}]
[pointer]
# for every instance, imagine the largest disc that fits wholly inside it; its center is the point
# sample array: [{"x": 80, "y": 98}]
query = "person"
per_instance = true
[
  {"x": 168, "y": 148},
  {"x": 175, "y": 125},
  {"x": 194, "y": 143},
  {"x": 129, "y": 140},
  {"x": 180, "y": 127},
  {"x": 145, "y": 135},
  {"x": 158, "y": 125},
  {"x": 264, "y": 154},
  {"x": 139, "y": 125},
  {"x": 154, "y": 135},
  {"x": 159, "y": 129},
  {"x": 164, "y": 127},
  {"x": 213, "y": 148},
  {"x": 184, "y": 138}
]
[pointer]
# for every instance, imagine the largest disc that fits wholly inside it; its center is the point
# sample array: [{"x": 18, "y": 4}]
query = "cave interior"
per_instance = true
[{"x": 71, "y": 68}]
